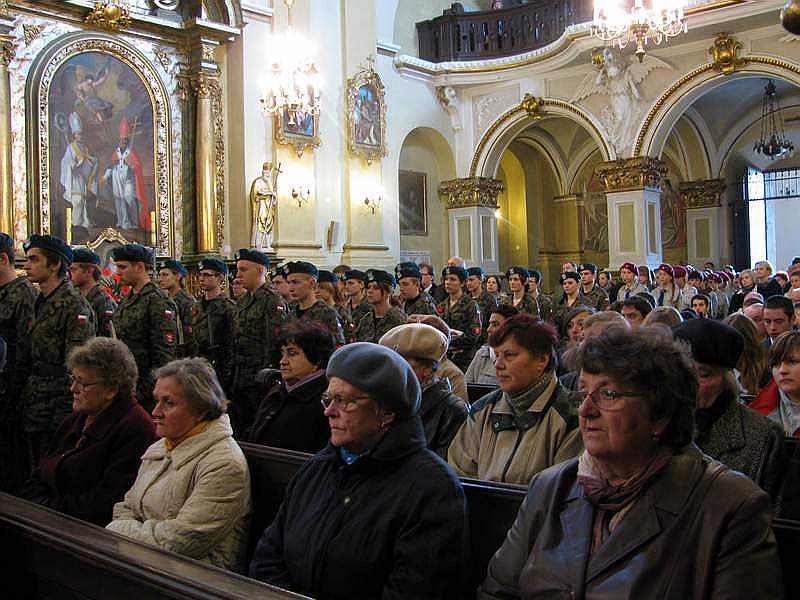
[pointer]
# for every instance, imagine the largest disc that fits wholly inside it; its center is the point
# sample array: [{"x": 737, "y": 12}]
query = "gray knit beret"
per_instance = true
[{"x": 379, "y": 372}]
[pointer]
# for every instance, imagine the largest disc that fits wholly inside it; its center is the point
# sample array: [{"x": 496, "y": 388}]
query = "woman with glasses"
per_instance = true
[
  {"x": 642, "y": 513},
  {"x": 95, "y": 453},
  {"x": 375, "y": 514}
]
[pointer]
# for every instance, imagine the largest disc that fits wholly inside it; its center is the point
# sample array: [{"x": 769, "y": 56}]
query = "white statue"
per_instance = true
[
  {"x": 263, "y": 205},
  {"x": 78, "y": 174},
  {"x": 448, "y": 98},
  {"x": 619, "y": 77}
]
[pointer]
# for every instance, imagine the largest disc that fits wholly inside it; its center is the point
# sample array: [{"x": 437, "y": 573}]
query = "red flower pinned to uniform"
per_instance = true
[
  {"x": 109, "y": 291},
  {"x": 194, "y": 311},
  {"x": 116, "y": 278},
  {"x": 106, "y": 272},
  {"x": 125, "y": 290},
  {"x": 476, "y": 330},
  {"x": 440, "y": 309}
]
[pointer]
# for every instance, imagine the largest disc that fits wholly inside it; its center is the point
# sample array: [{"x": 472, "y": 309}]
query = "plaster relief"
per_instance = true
[{"x": 486, "y": 108}]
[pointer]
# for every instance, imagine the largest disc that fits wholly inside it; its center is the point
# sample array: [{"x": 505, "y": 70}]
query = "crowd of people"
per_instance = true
[{"x": 646, "y": 414}]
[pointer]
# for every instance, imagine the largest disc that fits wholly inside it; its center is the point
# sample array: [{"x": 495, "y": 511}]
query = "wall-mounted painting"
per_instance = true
[
  {"x": 366, "y": 115},
  {"x": 413, "y": 203},
  {"x": 299, "y": 132}
]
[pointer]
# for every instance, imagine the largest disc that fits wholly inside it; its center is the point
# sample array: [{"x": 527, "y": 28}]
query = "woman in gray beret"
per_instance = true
[{"x": 374, "y": 514}]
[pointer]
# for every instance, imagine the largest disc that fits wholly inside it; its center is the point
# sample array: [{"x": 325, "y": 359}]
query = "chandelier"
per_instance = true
[
  {"x": 292, "y": 82},
  {"x": 624, "y": 25},
  {"x": 773, "y": 141}
]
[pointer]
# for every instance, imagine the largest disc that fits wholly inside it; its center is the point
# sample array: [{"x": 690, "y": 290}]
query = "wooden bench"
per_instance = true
[{"x": 476, "y": 391}]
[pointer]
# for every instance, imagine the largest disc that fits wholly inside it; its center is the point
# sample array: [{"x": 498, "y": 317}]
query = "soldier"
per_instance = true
[
  {"x": 63, "y": 320},
  {"x": 302, "y": 279},
  {"x": 212, "y": 320},
  {"x": 570, "y": 298},
  {"x": 485, "y": 301},
  {"x": 259, "y": 315},
  {"x": 146, "y": 319},
  {"x": 382, "y": 315},
  {"x": 171, "y": 274},
  {"x": 328, "y": 291},
  {"x": 544, "y": 302},
  {"x": 519, "y": 297},
  {"x": 278, "y": 283},
  {"x": 461, "y": 313},
  {"x": 17, "y": 298},
  {"x": 416, "y": 301},
  {"x": 629, "y": 274},
  {"x": 591, "y": 293},
  {"x": 356, "y": 305},
  {"x": 85, "y": 274}
]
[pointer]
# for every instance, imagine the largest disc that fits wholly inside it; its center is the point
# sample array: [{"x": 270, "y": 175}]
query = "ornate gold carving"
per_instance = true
[
  {"x": 207, "y": 52},
  {"x": 109, "y": 234},
  {"x": 471, "y": 191},
  {"x": 204, "y": 86},
  {"x": 441, "y": 96},
  {"x": 162, "y": 57},
  {"x": 7, "y": 50},
  {"x": 368, "y": 151},
  {"x": 533, "y": 106},
  {"x": 725, "y": 54},
  {"x": 219, "y": 160},
  {"x": 703, "y": 193},
  {"x": 3, "y": 8},
  {"x": 640, "y": 172},
  {"x": 108, "y": 15},
  {"x": 31, "y": 32}
]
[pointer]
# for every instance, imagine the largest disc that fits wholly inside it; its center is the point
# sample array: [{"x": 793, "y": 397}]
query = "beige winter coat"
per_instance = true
[{"x": 193, "y": 500}]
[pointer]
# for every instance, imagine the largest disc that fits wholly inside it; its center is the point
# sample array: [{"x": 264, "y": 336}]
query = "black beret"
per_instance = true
[
  {"x": 213, "y": 264},
  {"x": 279, "y": 271},
  {"x": 301, "y": 266},
  {"x": 6, "y": 242},
  {"x": 521, "y": 271},
  {"x": 460, "y": 272},
  {"x": 355, "y": 274},
  {"x": 535, "y": 274},
  {"x": 475, "y": 272},
  {"x": 327, "y": 277},
  {"x": 569, "y": 275},
  {"x": 713, "y": 342},
  {"x": 379, "y": 276},
  {"x": 133, "y": 253},
  {"x": 407, "y": 269},
  {"x": 84, "y": 255},
  {"x": 50, "y": 243},
  {"x": 173, "y": 265},
  {"x": 587, "y": 267},
  {"x": 255, "y": 256},
  {"x": 380, "y": 372}
]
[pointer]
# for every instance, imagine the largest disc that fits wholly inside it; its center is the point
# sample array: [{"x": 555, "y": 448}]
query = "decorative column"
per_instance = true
[
  {"x": 471, "y": 204},
  {"x": 6, "y": 174},
  {"x": 633, "y": 194},
  {"x": 703, "y": 199}
]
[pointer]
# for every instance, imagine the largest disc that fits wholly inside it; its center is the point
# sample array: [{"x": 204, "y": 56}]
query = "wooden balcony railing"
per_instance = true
[{"x": 459, "y": 35}]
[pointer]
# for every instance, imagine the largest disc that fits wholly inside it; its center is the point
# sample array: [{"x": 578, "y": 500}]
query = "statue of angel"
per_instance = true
[{"x": 619, "y": 77}]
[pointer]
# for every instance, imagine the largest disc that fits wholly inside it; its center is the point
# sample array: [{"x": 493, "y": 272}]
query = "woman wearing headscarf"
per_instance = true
[
  {"x": 642, "y": 513},
  {"x": 375, "y": 514}
]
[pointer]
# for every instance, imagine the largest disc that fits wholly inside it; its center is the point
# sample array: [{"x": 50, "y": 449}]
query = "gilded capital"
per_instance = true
[
  {"x": 703, "y": 193},
  {"x": 470, "y": 191},
  {"x": 638, "y": 173},
  {"x": 205, "y": 86},
  {"x": 724, "y": 53}
]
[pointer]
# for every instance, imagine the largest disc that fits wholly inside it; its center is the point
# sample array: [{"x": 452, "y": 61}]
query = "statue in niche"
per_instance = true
[
  {"x": 264, "y": 205},
  {"x": 619, "y": 77}
]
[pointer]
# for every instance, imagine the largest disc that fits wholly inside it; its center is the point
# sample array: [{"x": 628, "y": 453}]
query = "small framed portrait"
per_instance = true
[
  {"x": 366, "y": 115},
  {"x": 301, "y": 132},
  {"x": 413, "y": 203}
]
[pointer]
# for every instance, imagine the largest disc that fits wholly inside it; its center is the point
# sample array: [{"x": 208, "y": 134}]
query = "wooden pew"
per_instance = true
[
  {"x": 787, "y": 534},
  {"x": 476, "y": 391},
  {"x": 51, "y": 555}
]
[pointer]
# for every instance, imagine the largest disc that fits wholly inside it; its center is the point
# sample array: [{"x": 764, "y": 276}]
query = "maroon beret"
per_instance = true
[{"x": 667, "y": 268}]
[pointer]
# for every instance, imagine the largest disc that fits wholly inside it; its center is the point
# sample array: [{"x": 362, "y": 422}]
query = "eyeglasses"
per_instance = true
[
  {"x": 80, "y": 385},
  {"x": 606, "y": 399},
  {"x": 343, "y": 404}
]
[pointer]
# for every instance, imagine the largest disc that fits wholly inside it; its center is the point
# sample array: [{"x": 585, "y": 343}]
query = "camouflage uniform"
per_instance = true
[
  {"x": 185, "y": 302},
  {"x": 255, "y": 325},
  {"x": 421, "y": 305},
  {"x": 545, "y": 303},
  {"x": 103, "y": 306},
  {"x": 371, "y": 328},
  {"x": 63, "y": 320},
  {"x": 354, "y": 316},
  {"x": 527, "y": 305},
  {"x": 487, "y": 305},
  {"x": 17, "y": 299},
  {"x": 323, "y": 314},
  {"x": 466, "y": 317},
  {"x": 596, "y": 298},
  {"x": 212, "y": 325},
  {"x": 146, "y": 321}
]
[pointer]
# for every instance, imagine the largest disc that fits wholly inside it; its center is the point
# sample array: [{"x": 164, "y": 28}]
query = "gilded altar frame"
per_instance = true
[{"x": 366, "y": 95}]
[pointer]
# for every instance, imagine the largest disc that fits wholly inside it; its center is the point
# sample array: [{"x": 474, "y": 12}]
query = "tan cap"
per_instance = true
[{"x": 416, "y": 340}]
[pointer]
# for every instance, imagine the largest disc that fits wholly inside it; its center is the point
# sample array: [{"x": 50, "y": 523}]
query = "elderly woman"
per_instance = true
[
  {"x": 192, "y": 493},
  {"x": 747, "y": 284},
  {"x": 95, "y": 453},
  {"x": 725, "y": 429},
  {"x": 290, "y": 416},
  {"x": 481, "y": 369},
  {"x": 642, "y": 513},
  {"x": 375, "y": 514},
  {"x": 528, "y": 424}
]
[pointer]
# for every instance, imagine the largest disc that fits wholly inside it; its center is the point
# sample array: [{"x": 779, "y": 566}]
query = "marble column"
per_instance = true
[
  {"x": 471, "y": 204},
  {"x": 205, "y": 164},
  {"x": 703, "y": 200},
  {"x": 6, "y": 174}
]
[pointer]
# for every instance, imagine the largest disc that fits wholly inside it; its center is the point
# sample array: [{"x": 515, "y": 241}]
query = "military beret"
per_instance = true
[
  {"x": 407, "y": 269},
  {"x": 327, "y": 277},
  {"x": 713, "y": 342},
  {"x": 569, "y": 275},
  {"x": 133, "y": 253},
  {"x": 679, "y": 271},
  {"x": 173, "y": 265},
  {"x": 535, "y": 274},
  {"x": 379, "y": 372},
  {"x": 460, "y": 272},
  {"x": 475, "y": 272},
  {"x": 416, "y": 340},
  {"x": 255, "y": 256},
  {"x": 629, "y": 266},
  {"x": 84, "y": 255},
  {"x": 587, "y": 267},
  {"x": 6, "y": 242},
  {"x": 667, "y": 268},
  {"x": 50, "y": 243},
  {"x": 355, "y": 274},
  {"x": 213, "y": 264},
  {"x": 301, "y": 266},
  {"x": 279, "y": 271},
  {"x": 695, "y": 275},
  {"x": 521, "y": 271},
  {"x": 715, "y": 275},
  {"x": 379, "y": 276}
]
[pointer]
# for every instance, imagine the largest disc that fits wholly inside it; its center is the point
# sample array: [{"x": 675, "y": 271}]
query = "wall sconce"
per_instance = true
[
  {"x": 300, "y": 194},
  {"x": 372, "y": 202}
]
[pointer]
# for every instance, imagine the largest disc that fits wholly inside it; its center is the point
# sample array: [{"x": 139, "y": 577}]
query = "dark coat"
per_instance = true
[
  {"x": 442, "y": 414},
  {"x": 393, "y": 524},
  {"x": 294, "y": 420},
  {"x": 699, "y": 531},
  {"x": 86, "y": 472}
]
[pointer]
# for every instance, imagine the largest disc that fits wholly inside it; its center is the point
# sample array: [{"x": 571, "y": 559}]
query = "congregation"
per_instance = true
[{"x": 645, "y": 411}]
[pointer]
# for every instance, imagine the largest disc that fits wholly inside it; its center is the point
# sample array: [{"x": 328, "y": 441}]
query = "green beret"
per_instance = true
[
  {"x": 569, "y": 275},
  {"x": 521, "y": 271},
  {"x": 84, "y": 255},
  {"x": 174, "y": 265},
  {"x": 355, "y": 274},
  {"x": 301, "y": 266},
  {"x": 407, "y": 269},
  {"x": 587, "y": 267},
  {"x": 50, "y": 243},
  {"x": 133, "y": 253},
  {"x": 379, "y": 276},
  {"x": 213, "y": 264},
  {"x": 6, "y": 242},
  {"x": 255, "y": 256},
  {"x": 327, "y": 277},
  {"x": 475, "y": 272},
  {"x": 459, "y": 272}
]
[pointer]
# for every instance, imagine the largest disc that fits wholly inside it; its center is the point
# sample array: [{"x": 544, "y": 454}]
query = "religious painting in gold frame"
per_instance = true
[
  {"x": 296, "y": 132},
  {"x": 366, "y": 115}
]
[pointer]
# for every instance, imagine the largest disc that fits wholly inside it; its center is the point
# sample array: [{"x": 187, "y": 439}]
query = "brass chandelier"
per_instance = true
[{"x": 773, "y": 141}]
